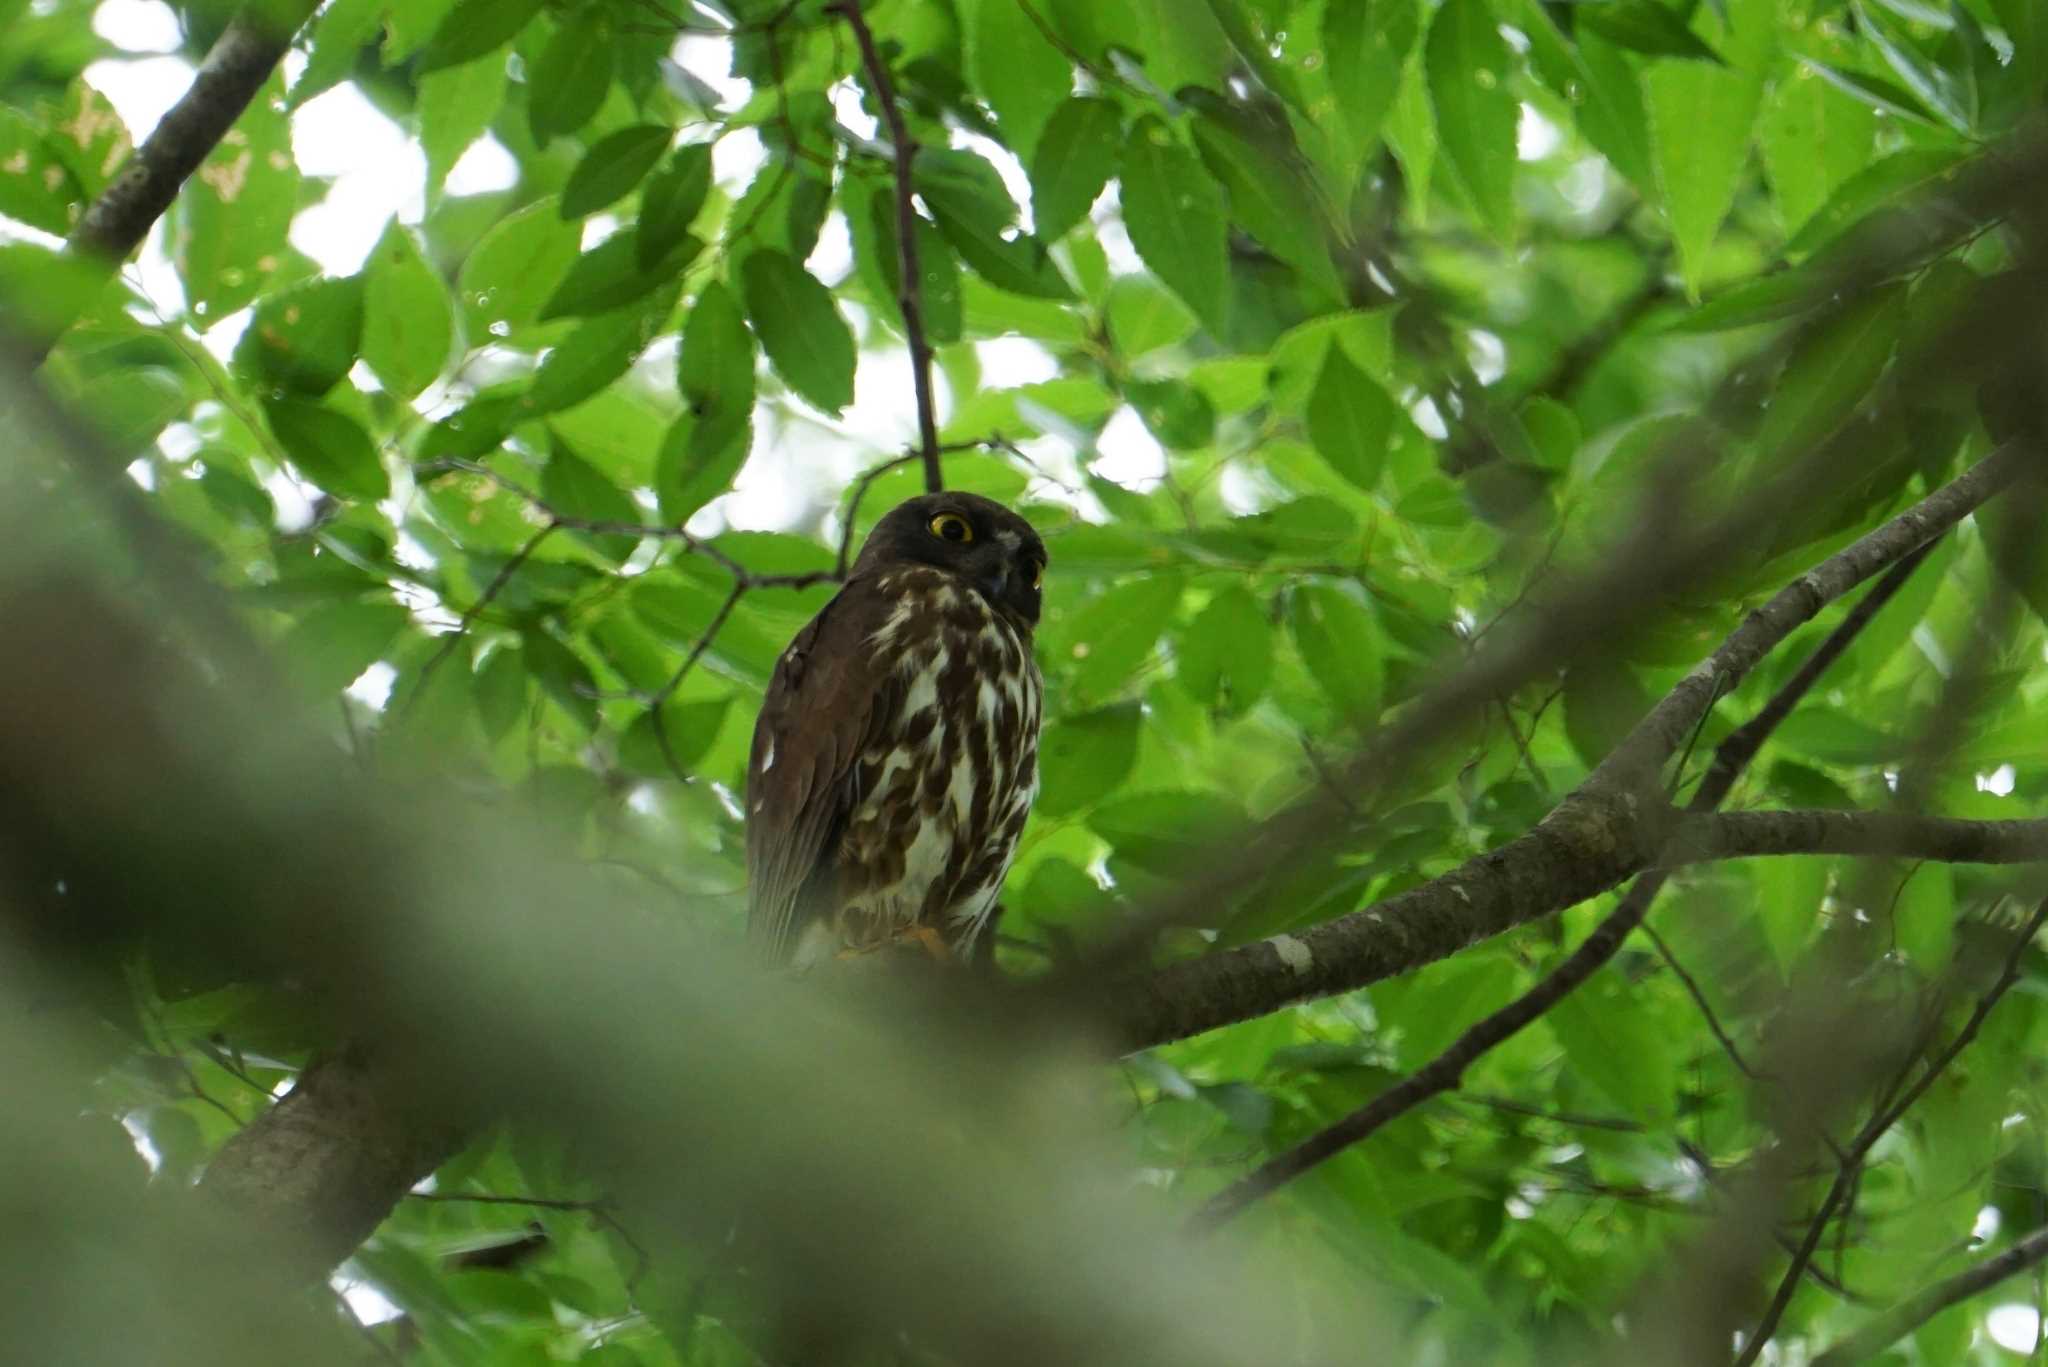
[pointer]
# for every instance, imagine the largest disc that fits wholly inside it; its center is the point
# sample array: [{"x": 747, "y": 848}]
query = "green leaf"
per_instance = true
[
  {"x": 227, "y": 229},
  {"x": 1175, "y": 412},
  {"x": 610, "y": 276},
  {"x": 1830, "y": 372},
  {"x": 1366, "y": 43},
  {"x": 340, "y": 32},
  {"x": 1340, "y": 645},
  {"x": 474, "y": 27},
  {"x": 304, "y": 337},
  {"x": 515, "y": 268},
  {"x": 1168, "y": 833},
  {"x": 613, "y": 166},
  {"x": 1271, "y": 194},
  {"x": 408, "y": 323},
  {"x": 1105, "y": 641},
  {"x": 688, "y": 727},
  {"x": 1224, "y": 657},
  {"x": 574, "y": 488},
  {"x": 456, "y": 105},
  {"x": 715, "y": 368},
  {"x": 1600, "y": 1027},
  {"x": 1603, "y": 699},
  {"x": 1145, "y": 316},
  {"x": 331, "y": 644},
  {"x": 873, "y": 221},
  {"x": 1871, "y": 190},
  {"x": 331, "y": 448},
  {"x": 1012, "y": 65},
  {"x": 1467, "y": 63},
  {"x": 805, "y": 338},
  {"x": 977, "y": 215},
  {"x": 562, "y": 675},
  {"x": 571, "y": 76},
  {"x": 36, "y": 186},
  {"x": 88, "y": 136},
  {"x": 600, "y": 350},
  {"x": 1173, "y": 211},
  {"x": 1874, "y": 91},
  {"x": 1084, "y": 757},
  {"x": 1351, "y": 420},
  {"x": 1924, "y": 917},
  {"x": 1075, "y": 157},
  {"x": 672, "y": 200},
  {"x": 1647, "y": 27},
  {"x": 1700, "y": 122}
]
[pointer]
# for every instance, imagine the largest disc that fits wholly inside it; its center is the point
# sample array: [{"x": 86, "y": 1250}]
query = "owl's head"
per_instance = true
[{"x": 976, "y": 538}]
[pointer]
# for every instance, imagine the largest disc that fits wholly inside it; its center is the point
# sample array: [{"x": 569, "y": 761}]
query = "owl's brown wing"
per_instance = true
[{"x": 825, "y": 698}]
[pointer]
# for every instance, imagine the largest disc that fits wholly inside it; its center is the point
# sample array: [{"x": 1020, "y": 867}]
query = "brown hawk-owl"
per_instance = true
[{"x": 896, "y": 754}]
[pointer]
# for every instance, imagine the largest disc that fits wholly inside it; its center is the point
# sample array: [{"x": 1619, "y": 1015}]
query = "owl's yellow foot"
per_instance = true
[{"x": 927, "y": 937}]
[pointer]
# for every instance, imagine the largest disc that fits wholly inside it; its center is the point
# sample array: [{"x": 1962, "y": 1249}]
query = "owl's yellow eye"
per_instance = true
[
  {"x": 1037, "y": 576},
  {"x": 952, "y": 527}
]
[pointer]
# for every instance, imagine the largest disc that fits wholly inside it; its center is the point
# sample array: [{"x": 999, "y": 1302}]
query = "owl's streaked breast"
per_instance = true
[{"x": 946, "y": 778}]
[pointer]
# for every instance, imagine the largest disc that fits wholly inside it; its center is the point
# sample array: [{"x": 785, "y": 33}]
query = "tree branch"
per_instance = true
[
  {"x": 1910, "y": 1314},
  {"x": 909, "y": 283},
  {"x": 1443, "y": 1073},
  {"x": 1866, "y": 1139},
  {"x": 240, "y": 61},
  {"x": 1595, "y": 837}
]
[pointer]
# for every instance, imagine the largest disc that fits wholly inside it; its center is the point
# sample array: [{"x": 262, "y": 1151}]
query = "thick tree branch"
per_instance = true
[
  {"x": 1597, "y": 836},
  {"x": 1910, "y": 1314},
  {"x": 909, "y": 283},
  {"x": 1444, "y": 1072},
  {"x": 1899, "y": 835},
  {"x": 234, "y": 70}
]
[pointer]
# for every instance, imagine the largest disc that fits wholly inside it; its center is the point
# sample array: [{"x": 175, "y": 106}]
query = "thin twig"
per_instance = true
[
  {"x": 490, "y": 593},
  {"x": 909, "y": 295},
  {"x": 1924, "y": 1305},
  {"x": 1443, "y": 1072},
  {"x": 1879, "y": 1124}
]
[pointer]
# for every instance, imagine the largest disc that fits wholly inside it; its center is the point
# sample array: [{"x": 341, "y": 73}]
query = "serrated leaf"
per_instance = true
[
  {"x": 515, "y": 267},
  {"x": 1351, "y": 420},
  {"x": 614, "y": 164},
  {"x": 1174, "y": 213},
  {"x": 456, "y": 105},
  {"x": 1366, "y": 42},
  {"x": 600, "y": 350},
  {"x": 475, "y": 27},
  {"x": 1467, "y": 65},
  {"x": 1108, "y": 637},
  {"x": 1647, "y": 27},
  {"x": 1224, "y": 657},
  {"x": 330, "y": 447},
  {"x": 89, "y": 137},
  {"x": 977, "y": 215},
  {"x": 1074, "y": 159},
  {"x": 1874, "y": 91},
  {"x": 339, "y": 34},
  {"x": 228, "y": 226},
  {"x": 1084, "y": 757},
  {"x": 1341, "y": 646},
  {"x": 331, "y": 644},
  {"x": 1015, "y": 68},
  {"x": 408, "y": 323},
  {"x": 610, "y": 276},
  {"x": 673, "y": 198},
  {"x": 806, "y": 340},
  {"x": 571, "y": 76},
  {"x": 304, "y": 337},
  {"x": 575, "y": 488},
  {"x": 36, "y": 186},
  {"x": 1830, "y": 372},
  {"x": 1174, "y": 411}
]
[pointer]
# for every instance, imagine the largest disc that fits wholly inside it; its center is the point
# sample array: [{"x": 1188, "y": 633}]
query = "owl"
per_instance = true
[{"x": 896, "y": 754}]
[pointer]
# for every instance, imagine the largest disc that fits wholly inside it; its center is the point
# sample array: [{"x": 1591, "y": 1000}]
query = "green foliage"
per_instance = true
[{"x": 1396, "y": 306}]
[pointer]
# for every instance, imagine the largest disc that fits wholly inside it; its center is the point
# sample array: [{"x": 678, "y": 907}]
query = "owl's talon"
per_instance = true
[{"x": 933, "y": 942}]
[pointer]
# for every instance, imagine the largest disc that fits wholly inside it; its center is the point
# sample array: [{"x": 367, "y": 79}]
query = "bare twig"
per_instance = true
[
  {"x": 1874, "y": 1130},
  {"x": 909, "y": 285}
]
